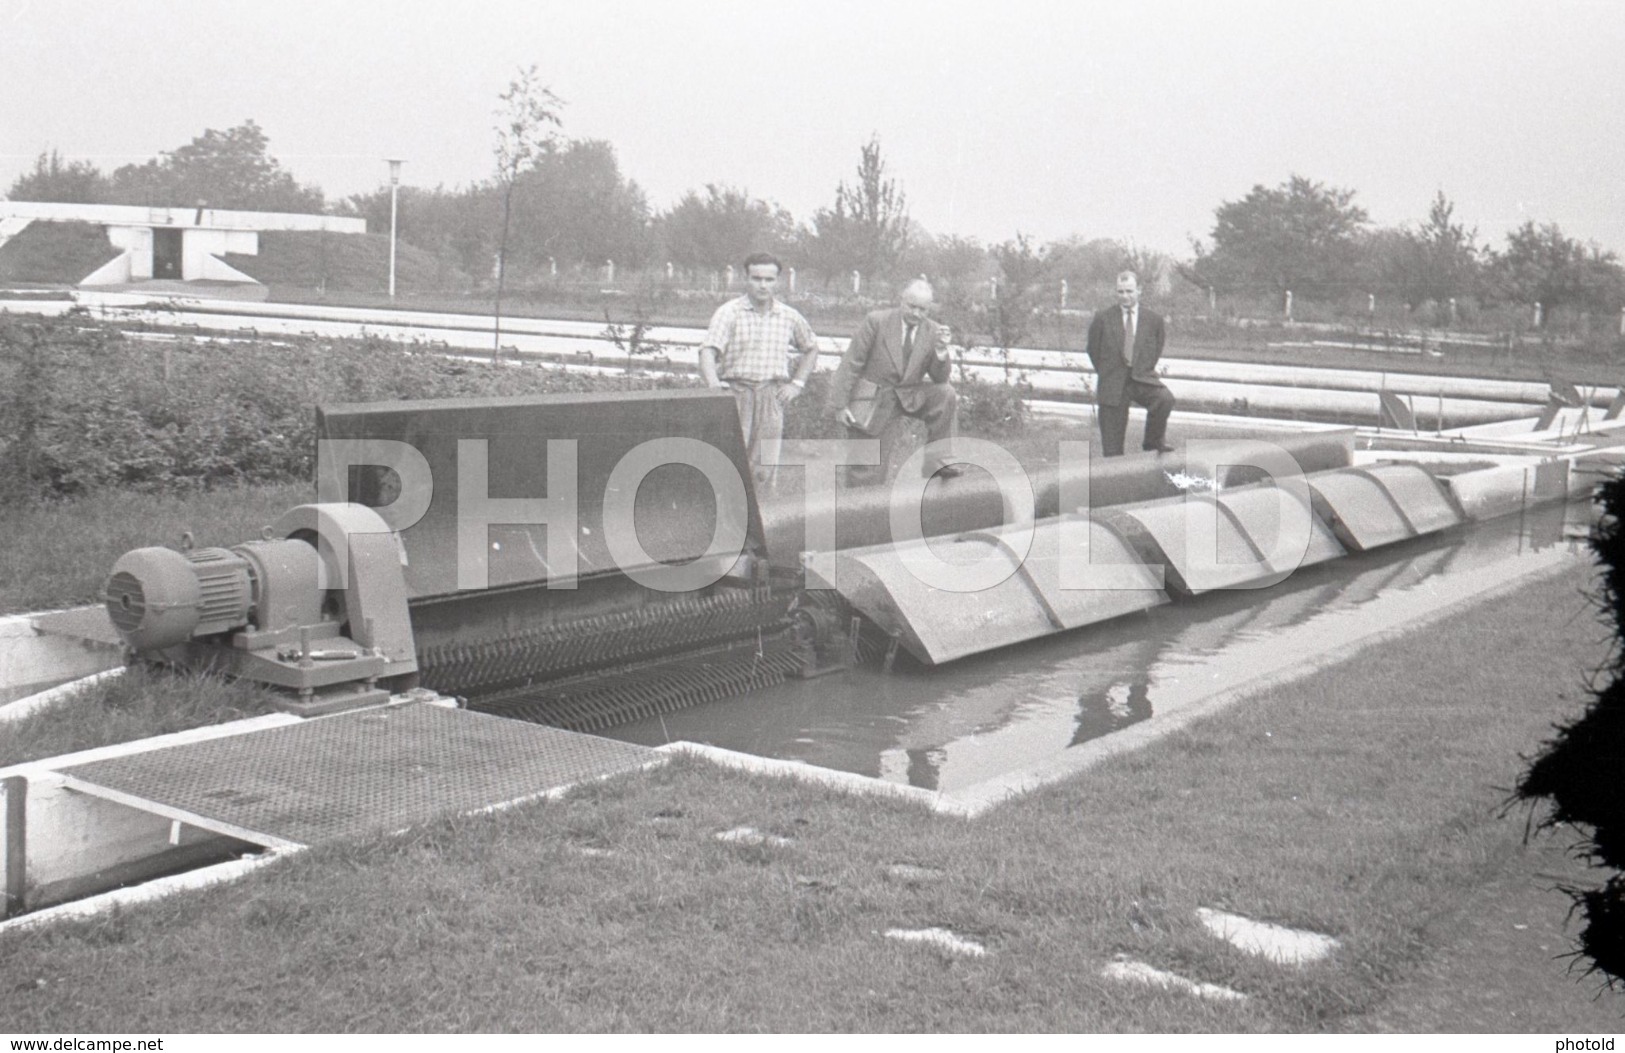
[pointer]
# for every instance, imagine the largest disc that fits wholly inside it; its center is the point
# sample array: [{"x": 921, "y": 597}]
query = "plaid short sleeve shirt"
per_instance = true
[{"x": 753, "y": 345}]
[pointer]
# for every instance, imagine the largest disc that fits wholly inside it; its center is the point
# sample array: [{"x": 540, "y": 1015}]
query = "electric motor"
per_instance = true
[{"x": 158, "y": 598}]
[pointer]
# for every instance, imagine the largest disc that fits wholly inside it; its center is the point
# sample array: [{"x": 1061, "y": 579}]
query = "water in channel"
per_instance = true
[{"x": 984, "y": 717}]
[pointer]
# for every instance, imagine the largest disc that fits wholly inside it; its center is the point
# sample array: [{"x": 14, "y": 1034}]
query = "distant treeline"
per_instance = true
[{"x": 576, "y": 216}]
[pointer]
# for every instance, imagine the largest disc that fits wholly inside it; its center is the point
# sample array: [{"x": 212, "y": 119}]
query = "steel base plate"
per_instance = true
[{"x": 370, "y": 771}]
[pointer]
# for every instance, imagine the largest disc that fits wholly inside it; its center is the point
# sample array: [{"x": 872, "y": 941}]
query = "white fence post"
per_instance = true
[{"x": 1288, "y": 307}]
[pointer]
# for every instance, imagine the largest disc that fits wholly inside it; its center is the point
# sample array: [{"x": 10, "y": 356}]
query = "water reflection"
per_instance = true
[
  {"x": 986, "y": 716},
  {"x": 1122, "y": 704}
]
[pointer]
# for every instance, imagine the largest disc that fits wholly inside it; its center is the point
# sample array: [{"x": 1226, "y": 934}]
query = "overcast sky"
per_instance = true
[{"x": 1129, "y": 120}]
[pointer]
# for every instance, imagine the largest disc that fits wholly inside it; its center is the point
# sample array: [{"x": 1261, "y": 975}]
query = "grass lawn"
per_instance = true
[{"x": 1363, "y": 801}]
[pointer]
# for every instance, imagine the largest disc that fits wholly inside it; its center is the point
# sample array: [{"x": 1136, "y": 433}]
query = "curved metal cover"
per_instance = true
[
  {"x": 1358, "y": 508},
  {"x": 936, "y": 625},
  {"x": 1158, "y": 530},
  {"x": 1371, "y": 507},
  {"x": 1502, "y": 490},
  {"x": 1257, "y": 511},
  {"x": 1419, "y": 495},
  {"x": 674, "y": 508}
]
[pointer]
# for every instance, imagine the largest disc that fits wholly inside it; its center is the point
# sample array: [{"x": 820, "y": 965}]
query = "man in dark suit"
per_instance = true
[
  {"x": 897, "y": 365},
  {"x": 1124, "y": 345}
]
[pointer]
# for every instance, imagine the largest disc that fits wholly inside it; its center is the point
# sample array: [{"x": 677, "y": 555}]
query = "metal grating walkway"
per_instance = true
[{"x": 358, "y": 773}]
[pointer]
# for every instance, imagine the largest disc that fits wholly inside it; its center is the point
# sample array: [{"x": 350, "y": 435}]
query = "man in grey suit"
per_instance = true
[
  {"x": 1124, "y": 345},
  {"x": 897, "y": 365}
]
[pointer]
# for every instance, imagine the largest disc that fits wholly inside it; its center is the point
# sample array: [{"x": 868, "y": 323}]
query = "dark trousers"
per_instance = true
[
  {"x": 1158, "y": 402},
  {"x": 936, "y": 405}
]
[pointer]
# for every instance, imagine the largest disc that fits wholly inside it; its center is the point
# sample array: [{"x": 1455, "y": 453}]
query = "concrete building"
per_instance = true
[{"x": 177, "y": 244}]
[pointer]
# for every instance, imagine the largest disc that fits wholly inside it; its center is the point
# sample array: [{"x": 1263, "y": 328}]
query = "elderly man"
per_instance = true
[
  {"x": 1125, "y": 342},
  {"x": 896, "y": 366},
  {"x": 747, "y": 351}
]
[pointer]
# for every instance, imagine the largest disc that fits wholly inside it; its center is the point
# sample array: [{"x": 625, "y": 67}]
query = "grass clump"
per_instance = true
[
  {"x": 140, "y": 702},
  {"x": 60, "y": 551}
]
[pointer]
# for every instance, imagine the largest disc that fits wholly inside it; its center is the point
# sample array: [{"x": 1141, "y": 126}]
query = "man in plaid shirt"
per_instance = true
[{"x": 747, "y": 351}]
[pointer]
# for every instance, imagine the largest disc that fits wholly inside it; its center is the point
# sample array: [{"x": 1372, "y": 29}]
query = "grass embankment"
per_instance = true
[
  {"x": 55, "y": 251},
  {"x": 342, "y": 262},
  {"x": 1362, "y": 802}
]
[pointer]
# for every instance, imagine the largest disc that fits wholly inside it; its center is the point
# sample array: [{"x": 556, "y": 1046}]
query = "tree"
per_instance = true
[
  {"x": 525, "y": 123},
  {"x": 1022, "y": 272},
  {"x": 228, "y": 169},
  {"x": 1439, "y": 261},
  {"x": 574, "y": 204},
  {"x": 52, "y": 179},
  {"x": 1300, "y": 236},
  {"x": 722, "y": 227},
  {"x": 868, "y": 229},
  {"x": 457, "y": 226},
  {"x": 1541, "y": 265}
]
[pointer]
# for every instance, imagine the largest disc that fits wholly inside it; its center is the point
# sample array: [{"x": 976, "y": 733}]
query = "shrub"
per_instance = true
[
  {"x": 84, "y": 407},
  {"x": 992, "y": 410}
]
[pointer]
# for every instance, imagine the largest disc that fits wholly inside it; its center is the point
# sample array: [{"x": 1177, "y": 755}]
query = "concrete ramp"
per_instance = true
[{"x": 1104, "y": 579}]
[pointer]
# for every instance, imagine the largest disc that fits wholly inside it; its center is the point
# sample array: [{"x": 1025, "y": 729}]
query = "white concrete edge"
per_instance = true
[
  {"x": 29, "y": 705},
  {"x": 813, "y": 774},
  {"x": 23, "y": 624},
  {"x": 1072, "y": 410},
  {"x": 47, "y": 765},
  {"x": 1363, "y": 458},
  {"x": 146, "y": 892},
  {"x": 555, "y": 793},
  {"x": 185, "y": 816}
]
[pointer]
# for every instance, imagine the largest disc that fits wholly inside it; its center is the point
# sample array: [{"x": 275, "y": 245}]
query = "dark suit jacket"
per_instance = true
[
  {"x": 1105, "y": 350},
  {"x": 876, "y": 354}
]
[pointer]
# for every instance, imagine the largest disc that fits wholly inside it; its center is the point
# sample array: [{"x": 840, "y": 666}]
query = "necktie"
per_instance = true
[
  {"x": 1128, "y": 337},
  {"x": 908, "y": 342}
]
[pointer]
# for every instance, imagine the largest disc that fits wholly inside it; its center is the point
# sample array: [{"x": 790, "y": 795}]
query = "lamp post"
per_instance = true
[{"x": 394, "y": 194}]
